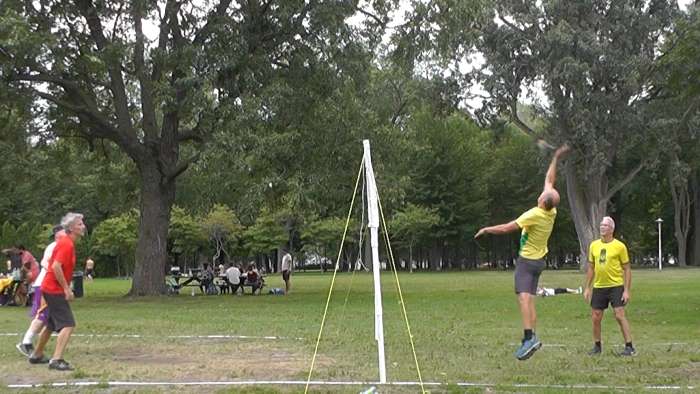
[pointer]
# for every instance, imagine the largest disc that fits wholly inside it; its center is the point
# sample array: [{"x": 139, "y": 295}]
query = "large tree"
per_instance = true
[
  {"x": 594, "y": 62},
  {"x": 679, "y": 118},
  {"x": 158, "y": 98}
]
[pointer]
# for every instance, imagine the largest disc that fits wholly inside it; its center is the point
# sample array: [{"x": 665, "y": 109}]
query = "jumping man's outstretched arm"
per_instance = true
[
  {"x": 551, "y": 176},
  {"x": 499, "y": 229}
]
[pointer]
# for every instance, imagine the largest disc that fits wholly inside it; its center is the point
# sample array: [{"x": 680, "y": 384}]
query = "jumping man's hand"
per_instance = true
[
  {"x": 562, "y": 150},
  {"x": 480, "y": 233}
]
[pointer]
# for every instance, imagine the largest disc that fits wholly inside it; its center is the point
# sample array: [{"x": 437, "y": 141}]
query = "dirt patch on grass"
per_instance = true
[
  {"x": 167, "y": 360},
  {"x": 690, "y": 371}
]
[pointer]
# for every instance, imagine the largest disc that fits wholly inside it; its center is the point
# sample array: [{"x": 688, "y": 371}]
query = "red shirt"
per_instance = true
[
  {"x": 29, "y": 262},
  {"x": 63, "y": 253}
]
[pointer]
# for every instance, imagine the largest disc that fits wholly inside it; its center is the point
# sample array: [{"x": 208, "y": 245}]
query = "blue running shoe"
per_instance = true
[
  {"x": 528, "y": 348},
  {"x": 629, "y": 351}
]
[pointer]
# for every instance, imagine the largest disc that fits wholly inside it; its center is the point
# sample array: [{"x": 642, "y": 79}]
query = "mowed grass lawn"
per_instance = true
[{"x": 466, "y": 327}]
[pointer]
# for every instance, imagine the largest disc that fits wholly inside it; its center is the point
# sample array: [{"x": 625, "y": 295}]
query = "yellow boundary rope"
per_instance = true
[
  {"x": 398, "y": 286},
  {"x": 335, "y": 271}
]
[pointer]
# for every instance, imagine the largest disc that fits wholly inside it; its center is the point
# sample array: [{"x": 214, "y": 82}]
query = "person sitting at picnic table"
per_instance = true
[
  {"x": 206, "y": 278},
  {"x": 233, "y": 275},
  {"x": 253, "y": 278}
]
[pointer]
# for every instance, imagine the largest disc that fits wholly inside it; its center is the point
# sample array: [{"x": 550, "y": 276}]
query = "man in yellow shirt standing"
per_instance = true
[
  {"x": 608, "y": 263},
  {"x": 536, "y": 227}
]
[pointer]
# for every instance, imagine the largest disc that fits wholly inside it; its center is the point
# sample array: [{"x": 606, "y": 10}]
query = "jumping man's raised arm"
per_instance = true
[
  {"x": 551, "y": 176},
  {"x": 504, "y": 228}
]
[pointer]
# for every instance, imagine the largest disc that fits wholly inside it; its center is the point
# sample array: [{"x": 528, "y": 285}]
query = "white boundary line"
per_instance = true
[
  {"x": 346, "y": 383},
  {"x": 269, "y": 337},
  {"x": 639, "y": 344},
  {"x": 11, "y": 334}
]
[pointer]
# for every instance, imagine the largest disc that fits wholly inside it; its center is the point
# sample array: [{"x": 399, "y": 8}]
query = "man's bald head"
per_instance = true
[{"x": 548, "y": 199}]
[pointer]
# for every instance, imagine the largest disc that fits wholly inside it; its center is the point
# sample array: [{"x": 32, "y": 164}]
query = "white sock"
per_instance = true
[{"x": 28, "y": 337}]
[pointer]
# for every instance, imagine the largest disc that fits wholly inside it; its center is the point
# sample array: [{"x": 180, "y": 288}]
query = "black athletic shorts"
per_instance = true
[
  {"x": 285, "y": 275},
  {"x": 60, "y": 314},
  {"x": 603, "y": 296},
  {"x": 527, "y": 275}
]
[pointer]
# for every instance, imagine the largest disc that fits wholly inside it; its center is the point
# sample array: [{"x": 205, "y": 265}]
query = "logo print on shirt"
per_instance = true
[{"x": 603, "y": 256}]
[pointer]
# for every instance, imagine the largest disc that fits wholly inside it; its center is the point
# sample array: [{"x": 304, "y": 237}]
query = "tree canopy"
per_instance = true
[{"x": 187, "y": 132}]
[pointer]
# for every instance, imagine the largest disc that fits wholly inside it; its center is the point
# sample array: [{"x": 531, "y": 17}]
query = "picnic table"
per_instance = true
[
  {"x": 222, "y": 282},
  {"x": 194, "y": 278},
  {"x": 177, "y": 280}
]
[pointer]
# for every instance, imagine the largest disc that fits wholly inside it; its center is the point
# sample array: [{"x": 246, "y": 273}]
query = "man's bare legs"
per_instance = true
[
  {"x": 41, "y": 343},
  {"x": 526, "y": 302},
  {"x": 62, "y": 342}
]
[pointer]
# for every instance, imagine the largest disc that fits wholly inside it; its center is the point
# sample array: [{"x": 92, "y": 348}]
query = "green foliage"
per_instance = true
[
  {"x": 266, "y": 234},
  {"x": 160, "y": 102},
  {"x": 222, "y": 228},
  {"x": 680, "y": 62},
  {"x": 116, "y": 238},
  {"x": 277, "y": 110},
  {"x": 323, "y": 236},
  {"x": 31, "y": 236},
  {"x": 185, "y": 233},
  {"x": 593, "y": 69},
  {"x": 413, "y": 224},
  {"x": 447, "y": 170}
]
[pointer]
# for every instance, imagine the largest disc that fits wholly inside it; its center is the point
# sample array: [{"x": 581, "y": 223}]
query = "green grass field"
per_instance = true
[{"x": 465, "y": 324}]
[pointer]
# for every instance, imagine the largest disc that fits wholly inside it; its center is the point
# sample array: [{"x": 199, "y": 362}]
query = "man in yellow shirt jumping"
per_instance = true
[
  {"x": 536, "y": 227},
  {"x": 608, "y": 263}
]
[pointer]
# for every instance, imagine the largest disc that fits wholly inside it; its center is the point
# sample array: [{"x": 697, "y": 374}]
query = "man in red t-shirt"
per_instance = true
[{"x": 57, "y": 294}]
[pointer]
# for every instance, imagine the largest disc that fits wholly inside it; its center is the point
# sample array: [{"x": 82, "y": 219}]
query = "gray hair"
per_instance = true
[
  {"x": 610, "y": 222},
  {"x": 69, "y": 219}
]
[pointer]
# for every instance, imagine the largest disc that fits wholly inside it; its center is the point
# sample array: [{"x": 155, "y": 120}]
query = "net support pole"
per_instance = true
[{"x": 373, "y": 224}]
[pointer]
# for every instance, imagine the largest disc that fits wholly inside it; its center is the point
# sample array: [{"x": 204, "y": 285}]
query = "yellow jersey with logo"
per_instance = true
[
  {"x": 607, "y": 259},
  {"x": 536, "y": 225}
]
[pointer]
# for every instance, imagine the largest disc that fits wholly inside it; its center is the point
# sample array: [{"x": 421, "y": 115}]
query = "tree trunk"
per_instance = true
[
  {"x": 157, "y": 198},
  {"x": 588, "y": 207},
  {"x": 434, "y": 257},
  {"x": 681, "y": 214}
]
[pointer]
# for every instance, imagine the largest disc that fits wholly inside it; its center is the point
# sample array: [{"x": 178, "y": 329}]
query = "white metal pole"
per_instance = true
[{"x": 373, "y": 224}]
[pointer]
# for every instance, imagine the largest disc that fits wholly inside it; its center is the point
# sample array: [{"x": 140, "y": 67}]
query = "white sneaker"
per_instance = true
[{"x": 25, "y": 349}]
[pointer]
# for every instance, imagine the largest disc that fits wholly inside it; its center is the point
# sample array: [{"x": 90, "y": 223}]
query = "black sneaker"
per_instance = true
[
  {"x": 595, "y": 351},
  {"x": 25, "y": 348},
  {"x": 38, "y": 360},
  {"x": 60, "y": 365},
  {"x": 629, "y": 351}
]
